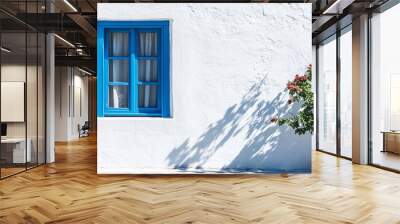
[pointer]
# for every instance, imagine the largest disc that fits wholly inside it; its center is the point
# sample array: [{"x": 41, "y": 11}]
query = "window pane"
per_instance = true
[
  {"x": 346, "y": 94},
  {"x": 148, "y": 44},
  {"x": 119, "y": 71},
  {"x": 118, "y": 96},
  {"x": 148, "y": 70},
  {"x": 385, "y": 88},
  {"x": 119, "y": 44},
  {"x": 147, "y": 96},
  {"x": 327, "y": 96}
]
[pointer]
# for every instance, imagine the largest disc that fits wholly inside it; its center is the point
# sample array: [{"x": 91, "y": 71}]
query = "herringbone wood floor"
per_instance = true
[{"x": 70, "y": 191}]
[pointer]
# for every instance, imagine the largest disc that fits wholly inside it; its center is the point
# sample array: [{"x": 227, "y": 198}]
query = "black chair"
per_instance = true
[{"x": 84, "y": 130}]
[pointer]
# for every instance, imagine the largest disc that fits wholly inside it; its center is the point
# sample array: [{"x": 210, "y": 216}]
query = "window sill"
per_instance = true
[
  {"x": 122, "y": 114},
  {"x": 137, "y": 118},
  {"x": 126, "y": 114}
]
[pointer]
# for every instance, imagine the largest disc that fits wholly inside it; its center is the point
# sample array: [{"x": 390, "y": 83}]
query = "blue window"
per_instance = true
[{"x": 133, "y": 68}]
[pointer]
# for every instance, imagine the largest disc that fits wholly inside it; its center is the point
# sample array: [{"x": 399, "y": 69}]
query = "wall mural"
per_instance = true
[{"x": 229, "y": 70}]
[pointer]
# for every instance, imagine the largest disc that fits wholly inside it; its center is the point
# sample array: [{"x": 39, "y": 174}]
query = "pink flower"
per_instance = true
[
  {"x": 300, "y": 78},
  {"x": 291, "y": 85}
]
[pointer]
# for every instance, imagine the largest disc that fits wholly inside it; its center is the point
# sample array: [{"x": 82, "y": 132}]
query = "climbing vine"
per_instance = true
[{"x": 300, "y": 90}]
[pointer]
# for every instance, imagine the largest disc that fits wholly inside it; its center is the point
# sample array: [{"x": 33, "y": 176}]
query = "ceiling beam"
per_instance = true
[
  {"x": 82, "y": 61},
  {"x": 86, "y": 27}
]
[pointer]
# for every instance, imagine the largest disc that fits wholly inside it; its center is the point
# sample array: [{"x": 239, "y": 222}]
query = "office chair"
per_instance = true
[{"x": 84, "y": 130}]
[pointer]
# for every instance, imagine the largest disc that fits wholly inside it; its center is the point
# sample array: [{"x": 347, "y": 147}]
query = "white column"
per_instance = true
[
  {"x": 50, "y": 100},
  {"x": 360, "y": 90}
]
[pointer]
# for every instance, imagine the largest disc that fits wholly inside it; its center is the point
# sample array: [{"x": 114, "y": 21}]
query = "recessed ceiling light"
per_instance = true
[
  {"x": 64, "y": 40},
  {"x": 5, "y": 50},
  {"x": 337, "y": 7},
  {"x": 70, "y": 5},
  {"x": 84, "y": 71}
]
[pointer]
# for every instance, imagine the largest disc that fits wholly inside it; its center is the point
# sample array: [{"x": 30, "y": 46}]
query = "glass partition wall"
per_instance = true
[
  {"x": 385, "y": 89},
  {"x": 22, "y": 77},
  {"x": 334, "y": 86},
  {"x": 13, "y": 85}
]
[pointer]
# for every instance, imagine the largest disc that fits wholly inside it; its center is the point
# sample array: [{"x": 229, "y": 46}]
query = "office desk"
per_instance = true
[
  {"x": 13, "y": 150},
  {"x": 391, "y": 141}
]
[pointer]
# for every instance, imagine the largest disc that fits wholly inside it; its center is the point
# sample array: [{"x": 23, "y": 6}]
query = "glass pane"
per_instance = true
[
  {"x": 147, "y": 96},
  {"x": 14, "y": 151},
  {"x": 32, "y": 100},
  {"x": 119, "y": 71},
  {"x": 148, "y": 70},
  {"x": 394, "y": 100},
  {"x": 118, "y": 96},
  {"x": 119, "y": 44},
  {"x": 385, "y": 88},
  {"x": 346, "y": 94},
  {"x": 327, "y": 96},
  {"x": 148, "y": 43}
]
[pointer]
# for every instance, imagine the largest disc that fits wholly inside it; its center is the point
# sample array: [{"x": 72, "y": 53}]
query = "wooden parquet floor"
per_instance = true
[{"x": 70, "y": 191}]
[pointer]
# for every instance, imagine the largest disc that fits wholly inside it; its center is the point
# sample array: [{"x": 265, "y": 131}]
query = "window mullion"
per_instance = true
[{"x": 160, "y": 78}]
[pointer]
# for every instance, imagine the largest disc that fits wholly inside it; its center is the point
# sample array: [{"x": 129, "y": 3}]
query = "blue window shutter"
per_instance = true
[
  {"x": 100, "y": 71},
  {"x": 165, "y": 71}
]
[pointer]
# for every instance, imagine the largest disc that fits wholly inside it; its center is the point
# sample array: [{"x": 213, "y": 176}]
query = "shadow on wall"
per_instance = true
[{"x": 265, "y": 146}]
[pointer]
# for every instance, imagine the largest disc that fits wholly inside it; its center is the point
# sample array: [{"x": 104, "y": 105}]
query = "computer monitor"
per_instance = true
[{"x": 3, "y": 129}]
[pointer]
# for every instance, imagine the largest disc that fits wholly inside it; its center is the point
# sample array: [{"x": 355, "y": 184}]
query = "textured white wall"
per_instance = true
[
  {"x": 66, "y": 121},
  {"x": 229, "y": 67}
]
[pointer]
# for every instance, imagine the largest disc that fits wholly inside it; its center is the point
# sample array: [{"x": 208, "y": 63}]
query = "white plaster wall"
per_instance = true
[
  {"x": 230, "y": 64},
  {"x": 66, "y": 121},
  {"x": 79, "y": 117},
  {"x": 61, "y": 103}
]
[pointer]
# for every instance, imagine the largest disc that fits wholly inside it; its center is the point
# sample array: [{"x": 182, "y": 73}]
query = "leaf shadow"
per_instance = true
[{"x": 265, "y": 146}]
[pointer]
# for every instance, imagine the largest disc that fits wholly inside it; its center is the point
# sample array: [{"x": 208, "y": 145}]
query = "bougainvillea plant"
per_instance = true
[{"x": 300, "y": 90}]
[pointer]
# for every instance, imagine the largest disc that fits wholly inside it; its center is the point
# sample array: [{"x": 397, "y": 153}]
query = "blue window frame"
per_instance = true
[{"x": 133, "y": 68}]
